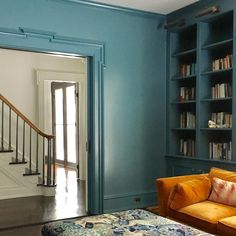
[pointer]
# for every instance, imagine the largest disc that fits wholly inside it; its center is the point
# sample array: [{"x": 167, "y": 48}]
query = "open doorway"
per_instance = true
[
  {"x": 70, "y": 88},
  {"x": 64, "y": 123},
  {"x": 63, "y": 111},
  {"x": 33, "y": 76}
]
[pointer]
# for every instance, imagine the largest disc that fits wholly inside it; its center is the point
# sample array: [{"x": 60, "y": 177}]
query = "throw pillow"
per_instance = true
[
  {"x": 223, "y": 192},
  {"x": 189, "y": 192}
]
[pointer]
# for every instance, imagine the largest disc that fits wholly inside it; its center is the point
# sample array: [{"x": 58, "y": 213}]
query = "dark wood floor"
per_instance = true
[
  {"x": 25, "y": 216},
  {"x": 23, "y": 231}
]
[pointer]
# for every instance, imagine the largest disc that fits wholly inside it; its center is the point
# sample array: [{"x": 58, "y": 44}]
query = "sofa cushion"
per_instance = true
[
  {"x": 204, "y": 215},
  {"x": 189, "y": 192},
  {"x": 227, "y": 226},
  {"x": 223, "y": 192},
  {"x": 222, "y": 174}
]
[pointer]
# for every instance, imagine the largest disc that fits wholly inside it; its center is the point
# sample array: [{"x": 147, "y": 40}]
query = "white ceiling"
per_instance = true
[{"x": 157, "y": 6}]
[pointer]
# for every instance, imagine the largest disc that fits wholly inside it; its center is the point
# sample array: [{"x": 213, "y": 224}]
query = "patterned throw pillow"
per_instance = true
[{"x": 223, "y": 192}]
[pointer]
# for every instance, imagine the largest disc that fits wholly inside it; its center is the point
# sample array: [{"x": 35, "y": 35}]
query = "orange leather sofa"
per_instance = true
[{"x": 185, "y": 199}]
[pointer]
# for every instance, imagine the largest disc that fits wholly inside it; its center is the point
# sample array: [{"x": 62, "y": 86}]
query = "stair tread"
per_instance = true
[
  {"x": 17, "y": 162},
  {"x": 5, "y": 150},
  {"x": 31, "y": 173}
]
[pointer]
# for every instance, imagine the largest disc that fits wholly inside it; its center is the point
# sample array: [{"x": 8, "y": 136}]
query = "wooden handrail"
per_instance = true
[{"x": 23, "y": 117}]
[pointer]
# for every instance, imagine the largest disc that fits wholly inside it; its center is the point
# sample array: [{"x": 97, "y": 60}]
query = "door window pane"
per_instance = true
[
  {"x": 60, "y": 142},
  {"x": 71, "y": 145},
  {"x": 71, "y": 124},
  {"x": 59, "y": 124}
]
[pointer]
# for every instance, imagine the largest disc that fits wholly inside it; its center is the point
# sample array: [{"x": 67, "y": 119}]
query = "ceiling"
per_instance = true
[{"x": 156, "y": 6}]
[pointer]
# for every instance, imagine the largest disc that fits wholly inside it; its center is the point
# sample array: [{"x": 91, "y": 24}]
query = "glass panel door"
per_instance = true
[{"x": 64, "y": 122}]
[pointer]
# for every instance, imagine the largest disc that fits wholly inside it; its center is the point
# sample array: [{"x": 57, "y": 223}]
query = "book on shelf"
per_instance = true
[
  {"x": 222, "y": 90},
  {"x": 187, "y": 93},
  {"x": 222, "y": 63},
  {"x": 187, "y": 69},
  {"x": 220, "y": 151},
  {"x": 187, "y": 147},
  {"x": 187, "y": 120},
  {"x": 222, "y": 119}
]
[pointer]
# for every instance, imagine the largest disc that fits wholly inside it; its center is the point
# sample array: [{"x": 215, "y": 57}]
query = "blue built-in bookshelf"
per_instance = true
[
  {"x": 200, "y": 129},
  {"x": 182, "y": 85}
]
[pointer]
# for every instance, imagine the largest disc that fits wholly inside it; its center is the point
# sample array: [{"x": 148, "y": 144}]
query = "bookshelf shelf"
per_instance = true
[
  {"x": 184, "y": 102},
  {"x": 216, "y": 129},
  {"x": 184, "y": 78},
  {"x": 215, "y": 100},
  {"x": 200, "y": 159},
  {"x": 185, "y": 53},
  {"x": 219, "y": 44},
  {"x": 217, "y": 72},
  {"x": 183, "y": 129}
]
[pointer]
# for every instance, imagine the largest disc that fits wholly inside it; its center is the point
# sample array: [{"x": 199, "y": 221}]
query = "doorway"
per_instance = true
[
  {"x": 64, "y": 123},
  {"x": 96, "y": 61}
]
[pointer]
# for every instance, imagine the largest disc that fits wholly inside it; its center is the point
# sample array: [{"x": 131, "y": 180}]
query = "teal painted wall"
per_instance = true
[{"x": 134, "y": 86}]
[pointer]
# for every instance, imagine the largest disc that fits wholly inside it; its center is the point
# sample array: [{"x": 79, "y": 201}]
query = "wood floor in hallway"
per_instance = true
[{"x": 24, "y": 216}]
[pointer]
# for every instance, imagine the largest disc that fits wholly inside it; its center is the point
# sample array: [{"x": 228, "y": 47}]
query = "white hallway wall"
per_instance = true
[{"x": 18, "y": 78}]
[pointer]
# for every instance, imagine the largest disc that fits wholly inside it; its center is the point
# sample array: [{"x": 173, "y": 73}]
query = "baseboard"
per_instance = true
[{"x": 122, "y": 202}]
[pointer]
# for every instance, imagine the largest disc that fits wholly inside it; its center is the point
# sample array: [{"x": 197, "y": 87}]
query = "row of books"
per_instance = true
[
  {"x": 222, "y": 63},
  {"x": 187, "y": 147},
  {"x": 187, "y": 120},
  {"x": 223, "y": 90},
  {"x": 222, "y": 119},
  {"x": 187, "y": 93},
  {"x": 220, "y": 151},
  {"x": 187, "y": 69}
]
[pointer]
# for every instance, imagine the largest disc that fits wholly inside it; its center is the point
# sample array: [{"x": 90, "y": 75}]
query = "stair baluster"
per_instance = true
[
  {"x": 17, "y": 126},
  {"x": 37, "y": 154},
  {"x": 9, "y": 130},
  {"x": 49, "y": 163},
  {"x": 43, "y": 174},
  {"x": 30, "y": 152},
  {"x": 54, "y": 162},
  {"x": 2, "y": 135},
  {"x": 23, "y": 143}
]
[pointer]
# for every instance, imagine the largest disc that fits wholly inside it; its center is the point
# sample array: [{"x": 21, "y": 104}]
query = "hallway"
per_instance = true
[{"x": 69, "y": 202}]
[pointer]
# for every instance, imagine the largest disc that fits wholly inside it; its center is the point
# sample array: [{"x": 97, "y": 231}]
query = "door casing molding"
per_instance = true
[{"x": 49, "y": 42}]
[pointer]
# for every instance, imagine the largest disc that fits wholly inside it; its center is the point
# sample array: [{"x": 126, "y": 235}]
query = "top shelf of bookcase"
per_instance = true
[
  {"x": 218, "y": 44},
  {"x": 185, "y": 52}
]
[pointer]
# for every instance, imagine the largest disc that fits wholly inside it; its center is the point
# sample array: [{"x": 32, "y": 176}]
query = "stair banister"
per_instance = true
[{"x": 48, "y": 162}]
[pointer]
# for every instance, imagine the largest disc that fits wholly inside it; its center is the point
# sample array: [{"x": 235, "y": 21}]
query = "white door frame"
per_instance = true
[{"x": 44, "y": 78}]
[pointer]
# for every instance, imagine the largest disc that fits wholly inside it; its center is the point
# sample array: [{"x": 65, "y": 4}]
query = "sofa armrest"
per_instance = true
[{"x": 165, "y": 185}]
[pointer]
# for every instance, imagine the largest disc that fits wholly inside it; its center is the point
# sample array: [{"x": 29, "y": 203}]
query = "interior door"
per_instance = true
[{"x": 64, "y": 116}]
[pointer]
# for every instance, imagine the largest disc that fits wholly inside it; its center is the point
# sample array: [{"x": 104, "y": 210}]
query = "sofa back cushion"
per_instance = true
[
  {"x": 223, "y": 192},
  {"x": 222, "y": 174},
  {"x": 189, "y": 192}
]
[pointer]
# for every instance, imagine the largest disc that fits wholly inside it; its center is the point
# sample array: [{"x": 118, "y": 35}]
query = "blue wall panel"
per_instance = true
[{"x": 133, "y": 86}]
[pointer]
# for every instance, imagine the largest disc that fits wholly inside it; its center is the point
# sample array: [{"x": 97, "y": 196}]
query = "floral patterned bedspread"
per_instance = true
[{"x": 126, "y": 223}]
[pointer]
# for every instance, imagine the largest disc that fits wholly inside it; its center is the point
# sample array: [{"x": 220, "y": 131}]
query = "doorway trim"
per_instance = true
[
  {"x": 44, "y": 106},
  {"x": 35, "y": 40}
]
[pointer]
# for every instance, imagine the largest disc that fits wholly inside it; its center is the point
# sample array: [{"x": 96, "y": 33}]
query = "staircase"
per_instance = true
[{"x": 27, "y": 158}]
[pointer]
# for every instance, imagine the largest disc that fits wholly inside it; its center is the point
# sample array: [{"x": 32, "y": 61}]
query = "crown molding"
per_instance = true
[{"x": 113, "y": 8}]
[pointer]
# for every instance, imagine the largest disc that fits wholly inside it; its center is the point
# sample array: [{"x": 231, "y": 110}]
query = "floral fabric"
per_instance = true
[{"x": 127, "y": 223}]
